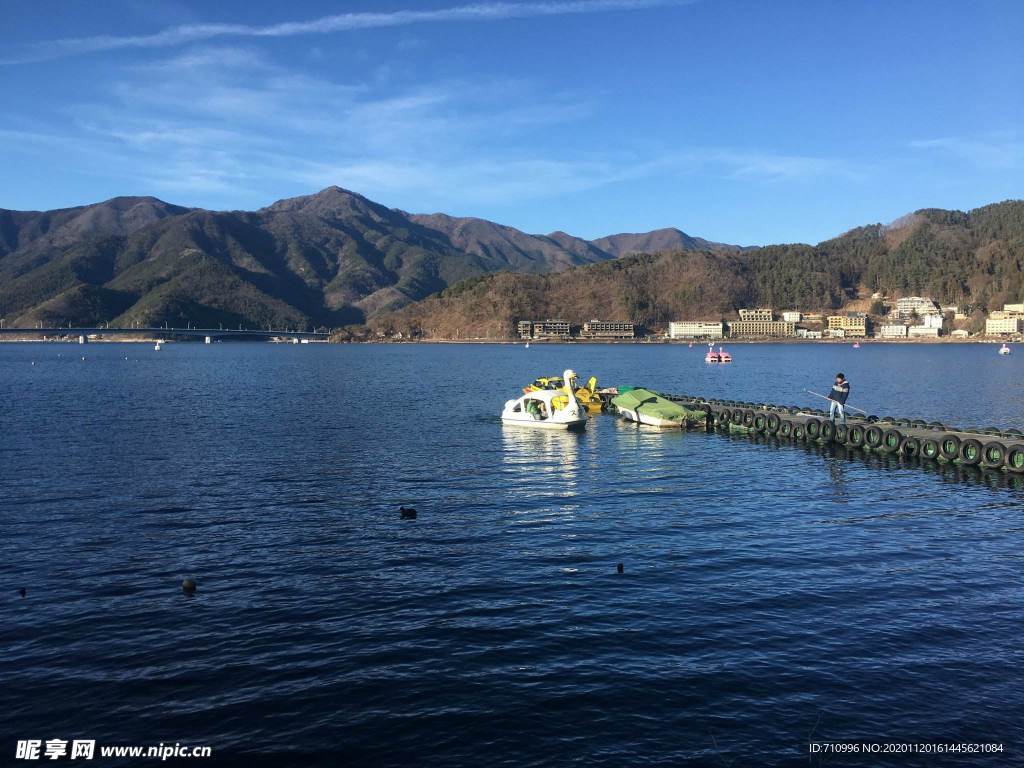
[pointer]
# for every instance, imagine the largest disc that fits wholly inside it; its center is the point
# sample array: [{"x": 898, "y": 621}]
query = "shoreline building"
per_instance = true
[
  {"x": 850, "y": 325},
  {"x": 894, "y": 331},
  {"x": 769, "y": 328},
  {"x": 792, "y": 316},
  {"x": 543, "y": 329},
  {"x": 695, "y": 329},
  {"x": 608, "y": 329},
  {"x": 1002, "y": 326}
]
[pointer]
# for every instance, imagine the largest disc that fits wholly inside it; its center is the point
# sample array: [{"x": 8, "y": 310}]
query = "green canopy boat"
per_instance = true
[{"x": 646, "y": 407}]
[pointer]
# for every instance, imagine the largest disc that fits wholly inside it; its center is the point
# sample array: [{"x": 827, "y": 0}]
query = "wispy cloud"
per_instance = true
[
  {"x": 343, "y": 22},
  {"x": 226, "y": 126},
  {"x": 998, "y": 150}
]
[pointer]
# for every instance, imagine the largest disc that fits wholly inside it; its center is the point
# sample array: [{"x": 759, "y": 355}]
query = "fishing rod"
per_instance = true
[{"x": 852, "y": 408}]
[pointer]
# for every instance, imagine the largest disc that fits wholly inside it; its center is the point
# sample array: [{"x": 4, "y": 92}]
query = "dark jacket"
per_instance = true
[{"x": 840, "y": 392}]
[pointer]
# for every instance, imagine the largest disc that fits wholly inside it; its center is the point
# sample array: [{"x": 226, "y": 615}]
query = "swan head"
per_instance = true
[{"x": 568, "y": 376}]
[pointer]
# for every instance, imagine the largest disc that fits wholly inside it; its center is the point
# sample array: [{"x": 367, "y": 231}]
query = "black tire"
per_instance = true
[
  {"x": 855, "y": 436},
  {"x": 1013, "y": 433},
  {"x": 737, "y": 416},
  {"x": 949, "y": 447},
  {"x": 919, "y": 423},
  {"x": 993, "y": 455},
  {"x": 911, "y": 447},
  {"x": 748, "y": 418},
  {"x": 892, "y": 439},
  {"x": 773, "y": 423},
  {"x": 760, "y": 422},
  {"x": 828, "y": 431},
  {"x": 937, "y": 425},
  {"x": 873, "y": 436},
  {"x": 842, "y": 432},
  {"x": 887, "y": 420},
  {"x": 1015, "y": 458},
  {"x": 722, "y": 417},
  {"x": 786, "y": 429},
  {"x": 870, "y": 418},
  {"x": 812, "y": 428},
  {"x": 930, "y": 448},
  {"x": 799, "y": 432},
  {"x": 971, "y": 452}
]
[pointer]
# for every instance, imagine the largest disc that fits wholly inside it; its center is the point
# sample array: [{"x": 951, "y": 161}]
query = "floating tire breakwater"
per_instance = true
[{"x": 988, "y": 448}]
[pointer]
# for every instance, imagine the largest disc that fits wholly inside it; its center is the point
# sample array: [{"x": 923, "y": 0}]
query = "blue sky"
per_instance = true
[{"x": 749, "y": 122}]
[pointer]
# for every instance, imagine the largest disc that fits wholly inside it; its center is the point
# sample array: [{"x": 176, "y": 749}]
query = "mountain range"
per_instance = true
[
  {"x": 336, "y": 259},
  {"x": 328, "y": 259},
  {"x": 973, "y": 259}
]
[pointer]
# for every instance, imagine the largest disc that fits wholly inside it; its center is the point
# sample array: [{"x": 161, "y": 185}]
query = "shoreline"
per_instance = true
[{"x": 537, "y": 342}]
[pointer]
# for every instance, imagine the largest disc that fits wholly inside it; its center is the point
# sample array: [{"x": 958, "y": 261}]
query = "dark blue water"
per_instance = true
[{"x": 773, "y": 594}]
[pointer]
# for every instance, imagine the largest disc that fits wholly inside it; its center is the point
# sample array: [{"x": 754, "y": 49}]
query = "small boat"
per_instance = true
[
  {"x": 856, "y": 345},
  {"x": 544, "y": 382},
  {"x": 589, "y": 398},
  {"x": 547, "y": 408},
  {"x": 1004, "y": 350},
  {"x": 527, "y": 345},
  {"x": 157, "y": 345},
  {"x": 646, "y": 407},
  {"x": 721, "y": 356}
]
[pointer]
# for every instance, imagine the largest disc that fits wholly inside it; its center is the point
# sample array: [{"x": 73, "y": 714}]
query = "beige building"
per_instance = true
[
  {"x": 853, "y": 324},
  {"x": 695, "y": 329},
  {"x": 922, "y": 332},
  {"x": 525, "y": 329},
  {"x": 761, "y": 314},
  {"x": 608, "y": 329},
  {"x": 551, "y": 329},
  {"x": 792, "y": 316},
  {"x": 1002, "y": 326},
  {"x": 1017, "y": 309},
  {"x": 774, "y": 328}
]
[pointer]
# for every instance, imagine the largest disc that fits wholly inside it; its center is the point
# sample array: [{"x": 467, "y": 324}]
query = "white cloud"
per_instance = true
[{"x": 344, "y": 22}]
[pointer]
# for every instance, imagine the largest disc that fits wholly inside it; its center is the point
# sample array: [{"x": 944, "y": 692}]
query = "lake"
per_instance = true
[{"x": 773, "y": 594}]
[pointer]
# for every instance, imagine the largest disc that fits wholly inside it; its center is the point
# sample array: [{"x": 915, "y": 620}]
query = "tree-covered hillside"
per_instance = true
[{"x": 973, "y": 259}]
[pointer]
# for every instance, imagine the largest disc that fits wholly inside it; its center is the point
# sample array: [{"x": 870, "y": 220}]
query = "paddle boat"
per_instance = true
[
  {"x": 544, "y": 382},
  {"x": 856, "y": 345},
  {"x": 646, "y": 407},
  {"x": 547, "y": 408},
  {"x": 589, "y": 397},
  {"x": 721, "y": 356},
  {"x": 1004, "y": 350}
]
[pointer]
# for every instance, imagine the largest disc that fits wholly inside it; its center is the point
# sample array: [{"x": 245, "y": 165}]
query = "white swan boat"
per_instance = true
[{"x": 547, "y": 408}]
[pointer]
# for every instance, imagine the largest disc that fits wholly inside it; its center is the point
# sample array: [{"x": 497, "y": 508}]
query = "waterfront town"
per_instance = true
[{"x": 905, "y": 318}]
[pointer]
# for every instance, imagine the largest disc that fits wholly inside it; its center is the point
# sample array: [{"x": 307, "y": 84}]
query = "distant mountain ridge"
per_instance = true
[
  {"x": 331, "y": 258},
  {"x": 659, "y": 240}
]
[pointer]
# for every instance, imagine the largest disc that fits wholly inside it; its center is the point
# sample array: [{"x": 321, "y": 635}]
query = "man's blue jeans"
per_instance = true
[{"x": 836, "y": 406}]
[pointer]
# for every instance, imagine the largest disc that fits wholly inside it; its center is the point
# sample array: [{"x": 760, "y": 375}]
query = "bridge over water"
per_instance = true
[{"x": 207, "y": 334}]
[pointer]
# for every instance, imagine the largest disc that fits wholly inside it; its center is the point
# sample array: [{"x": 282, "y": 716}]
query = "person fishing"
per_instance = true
[{"x": 840, "y": 391}]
